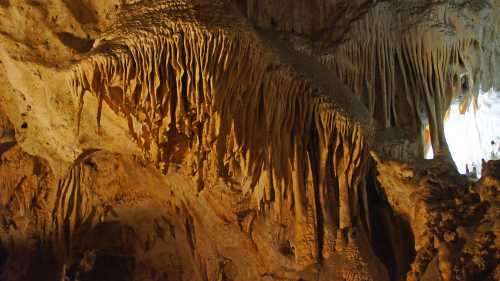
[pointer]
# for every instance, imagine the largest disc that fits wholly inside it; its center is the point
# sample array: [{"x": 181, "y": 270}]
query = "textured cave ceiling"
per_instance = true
[{"x": 249, "y": 140}]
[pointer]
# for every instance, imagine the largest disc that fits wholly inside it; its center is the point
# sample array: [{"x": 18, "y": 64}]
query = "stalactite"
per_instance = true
[
  {"x": 408, "y": 76},
  {"x": 74, "y": 207},
  {"x": 211, "y": 88}
]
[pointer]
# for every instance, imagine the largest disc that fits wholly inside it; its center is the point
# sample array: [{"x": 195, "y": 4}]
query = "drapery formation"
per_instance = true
[
  {"x": 408, "y": 68},
  {"x": 203, "y": 91}
]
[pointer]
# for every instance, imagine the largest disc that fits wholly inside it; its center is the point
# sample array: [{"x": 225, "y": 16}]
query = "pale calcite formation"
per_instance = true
[{"x": 407, "y": 60}]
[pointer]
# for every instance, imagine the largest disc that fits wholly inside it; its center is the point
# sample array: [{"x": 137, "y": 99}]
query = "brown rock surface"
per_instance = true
[{"x": 242, "y": 140}]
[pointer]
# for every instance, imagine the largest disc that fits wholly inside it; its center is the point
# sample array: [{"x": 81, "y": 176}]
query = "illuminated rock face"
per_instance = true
[{"x": 241, "y": 140}]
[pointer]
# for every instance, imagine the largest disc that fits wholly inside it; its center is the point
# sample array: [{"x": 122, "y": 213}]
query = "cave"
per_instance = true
[{"x": 235, "y": 140}]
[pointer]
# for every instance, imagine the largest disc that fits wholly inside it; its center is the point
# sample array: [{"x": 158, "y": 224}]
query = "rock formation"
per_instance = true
[{"x": 242, "y": 140}]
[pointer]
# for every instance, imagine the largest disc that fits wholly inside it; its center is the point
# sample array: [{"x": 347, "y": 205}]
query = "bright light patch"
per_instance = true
[{"x": 474, "y": 135}]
